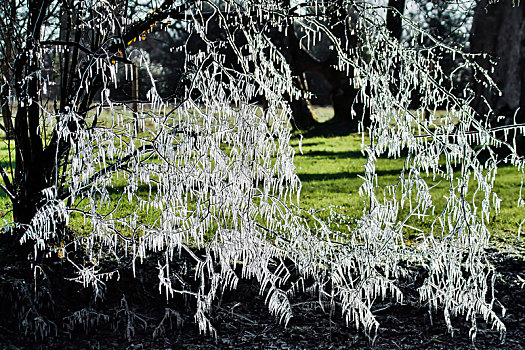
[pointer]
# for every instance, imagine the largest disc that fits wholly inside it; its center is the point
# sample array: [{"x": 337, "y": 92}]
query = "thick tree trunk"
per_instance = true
[
  {"x": 31, "y": 196},
  {"x": 303, "y": 117},
  {"x": 33, "y": 167},
  {"x": 342, "y": 94},
  {"x": 343, "y": 101},
  {"x": 394, "y": 25},
  {"x": 4, "y": 94},
  {"x": 394, "y": 22},
  {"x": 497, "y": 30}
]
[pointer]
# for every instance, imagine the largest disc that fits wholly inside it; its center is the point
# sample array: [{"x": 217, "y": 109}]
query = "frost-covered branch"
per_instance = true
[{"x": 215, "y": 173}]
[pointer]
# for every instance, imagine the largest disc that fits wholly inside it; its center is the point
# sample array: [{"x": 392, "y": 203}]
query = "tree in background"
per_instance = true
[
  {"x": 7, "y": 30},
  {"x": 448, "y": 22},
  {"x": 316, "y": 55},
  {"x": 394, "y": 18},
  {"x": 211, "y": 176},
  {"x": 497, "y": 37}
]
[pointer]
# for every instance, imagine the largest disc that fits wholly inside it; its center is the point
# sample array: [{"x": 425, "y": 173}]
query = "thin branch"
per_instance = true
[
  {"x": 84, "y": 49},
  {"x": 472, "y": 132},
  {"x": 120, "y": 164}
]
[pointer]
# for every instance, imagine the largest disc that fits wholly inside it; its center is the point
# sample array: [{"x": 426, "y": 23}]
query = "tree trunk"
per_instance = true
[
  {"x": 394, "y": 25},
  {"x": 34, "y": 169},
  {"x": 522, "y": 65},
  {"x": 343, "y": 102},
  {"x": 302, "y": 113},
  {"x": 394, "y": 22},
  {"x": 4, "y": 93},
  {"x": 135, "y": 97},
  {"x": 6, "y": 115},
  {"x": 342, "y": 94},
  {"x": 497, "y": 31}
]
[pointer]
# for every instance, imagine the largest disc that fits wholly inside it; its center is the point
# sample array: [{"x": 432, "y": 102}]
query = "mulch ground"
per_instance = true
[{"x": 243, "y": 322}]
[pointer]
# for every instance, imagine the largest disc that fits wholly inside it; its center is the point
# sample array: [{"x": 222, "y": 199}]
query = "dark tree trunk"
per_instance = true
[
  {"x": 394, "y": 22},
  {"x": 497, "y": 31},
  {"x": 342, "y": 94},
  {"x": 302, "y": 113},
  {"x": 6, "y": 115},
  {"x": 135, "y": 97},
  {"x": 522, "y": 66},
  {"x": 394, "y": 25},
  {"x": 33, "y": 169},
  {"x": 303, "y": 117},
  {"x": 6, "y": 72}
]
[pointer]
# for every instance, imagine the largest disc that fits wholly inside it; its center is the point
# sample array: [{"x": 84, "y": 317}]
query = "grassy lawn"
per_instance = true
[
  {"x": 5, "y": 204},
  {"x": 329, "y": 169}
]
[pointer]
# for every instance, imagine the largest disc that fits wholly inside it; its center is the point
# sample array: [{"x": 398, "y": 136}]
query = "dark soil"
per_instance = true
[{"x": 242, "y": 321}]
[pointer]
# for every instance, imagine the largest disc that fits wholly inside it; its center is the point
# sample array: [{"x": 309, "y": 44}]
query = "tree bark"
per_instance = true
[
  {"x": 394, "y": 25},
  {"x": 497, "y": 31},
  {"x": 6, "y": 115},
  {"x": 342, "y": 94},
  {"x": 302, "y": 113},
  {"x": 135, "y": 97},
  {"x": 7, "y": 27},
  {"x": 394, "y": 22},
  {"x": 33, "y": 169}
]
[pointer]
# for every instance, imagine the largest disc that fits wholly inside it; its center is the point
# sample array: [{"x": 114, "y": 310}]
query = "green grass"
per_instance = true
[
  {"x": 329, "y": 169},
  {"x": 5, "y": 203}
]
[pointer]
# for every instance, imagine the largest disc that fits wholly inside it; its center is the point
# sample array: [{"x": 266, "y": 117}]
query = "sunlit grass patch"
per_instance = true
[{"x": 329, "y": 169}]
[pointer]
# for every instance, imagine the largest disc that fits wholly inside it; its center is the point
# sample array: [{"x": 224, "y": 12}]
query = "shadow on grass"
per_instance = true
[
  {"x": 334, "y": 155},
  {"x": 344, "y": 175},
  {"x": 309, "y": 143},
  {"x": 142, "y": 189},
  {"x": 332, "y": 129}
]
